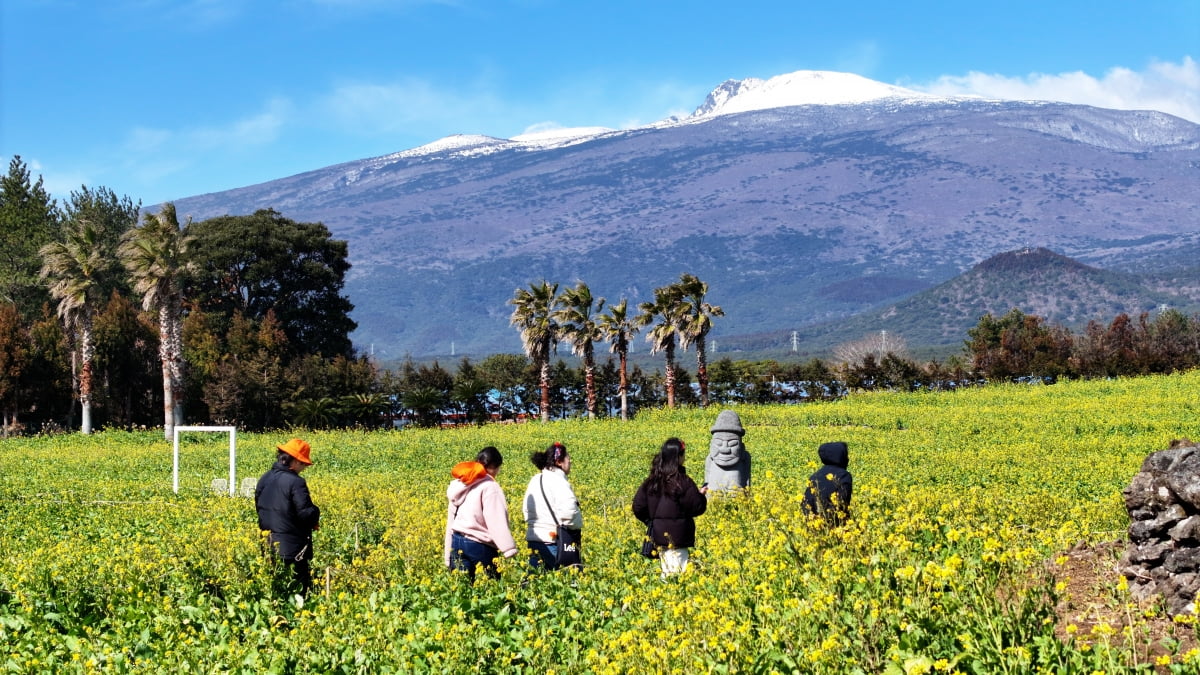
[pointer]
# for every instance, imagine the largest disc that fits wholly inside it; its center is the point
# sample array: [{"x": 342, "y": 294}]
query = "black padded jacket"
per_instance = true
[
  {"x": 829, "y": 488},
  {"x": 286, "y": 510},
  {"x": 672, "y": 517}
]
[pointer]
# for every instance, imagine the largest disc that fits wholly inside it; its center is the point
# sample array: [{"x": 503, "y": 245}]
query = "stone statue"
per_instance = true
[{"x": 728, "y": 464}]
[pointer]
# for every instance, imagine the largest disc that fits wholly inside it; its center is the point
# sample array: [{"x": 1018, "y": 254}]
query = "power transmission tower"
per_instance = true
[{"x": 795, "y": 341}]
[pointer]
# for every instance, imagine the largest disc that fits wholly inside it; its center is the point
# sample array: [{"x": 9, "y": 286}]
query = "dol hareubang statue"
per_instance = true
[{"x": 728, "y": 464}]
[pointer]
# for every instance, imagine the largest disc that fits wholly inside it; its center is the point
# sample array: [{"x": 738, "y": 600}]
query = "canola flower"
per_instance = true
[{"x": 962, "y": 500}]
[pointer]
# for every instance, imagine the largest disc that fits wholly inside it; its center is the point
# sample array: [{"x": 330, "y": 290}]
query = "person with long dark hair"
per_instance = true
[
  {"x": 668, "y": 502},
  {"x": 477, "y": 520},
  {"x": 551, "y": 507}
]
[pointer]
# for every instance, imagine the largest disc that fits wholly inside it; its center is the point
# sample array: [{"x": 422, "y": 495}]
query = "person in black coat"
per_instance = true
[
  {"x": 287, "y": 513},
  {"x": 668, "y": 502},
  {"x": 829, "y": 488}
]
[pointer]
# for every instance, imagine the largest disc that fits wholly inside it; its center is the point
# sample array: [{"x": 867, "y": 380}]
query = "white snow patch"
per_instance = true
[
  {"x": 803, "y": 87},
  {"x": 559, "y": 136},
  {"x": 457, "y": 142}
]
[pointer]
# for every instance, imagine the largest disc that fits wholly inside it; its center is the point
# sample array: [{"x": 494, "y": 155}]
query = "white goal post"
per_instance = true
[{"x": 232, "y": 455}]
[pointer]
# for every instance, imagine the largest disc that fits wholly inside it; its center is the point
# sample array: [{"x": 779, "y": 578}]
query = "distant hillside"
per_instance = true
[
  {"x": 1034, "y": 280},
  {"x": 796, "y": 216}
]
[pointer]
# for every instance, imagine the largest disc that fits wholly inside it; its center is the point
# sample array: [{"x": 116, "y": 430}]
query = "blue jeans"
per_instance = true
[
  {"x": 543, "y": 555},
  {"x": 466, "y": 554}
]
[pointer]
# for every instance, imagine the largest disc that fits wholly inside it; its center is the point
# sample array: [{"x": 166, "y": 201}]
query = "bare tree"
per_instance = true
[{"x": 878, "y": 345}]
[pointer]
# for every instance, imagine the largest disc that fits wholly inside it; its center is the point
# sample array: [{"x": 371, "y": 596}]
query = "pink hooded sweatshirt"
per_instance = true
[{"x": 477, "y": 509}]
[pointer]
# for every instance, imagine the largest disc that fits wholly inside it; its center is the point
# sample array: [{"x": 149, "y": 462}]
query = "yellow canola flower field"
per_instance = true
[{"x": 962, "y": 503}]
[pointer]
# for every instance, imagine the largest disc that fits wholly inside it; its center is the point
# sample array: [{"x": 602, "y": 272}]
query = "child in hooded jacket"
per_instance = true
[
  {"x": 830, "y": 487},
  {"x": 477, "y": 528}
]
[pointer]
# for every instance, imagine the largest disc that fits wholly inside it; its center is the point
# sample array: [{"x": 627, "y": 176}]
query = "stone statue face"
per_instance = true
[{"x": 725, "y": 448}]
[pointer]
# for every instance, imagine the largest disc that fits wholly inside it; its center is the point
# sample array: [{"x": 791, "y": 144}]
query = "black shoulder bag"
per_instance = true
[{"x": 569, "y": 540}]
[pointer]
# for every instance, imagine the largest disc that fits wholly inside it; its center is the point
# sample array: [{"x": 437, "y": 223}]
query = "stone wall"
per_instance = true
[{"x": 1163, "y": 555}]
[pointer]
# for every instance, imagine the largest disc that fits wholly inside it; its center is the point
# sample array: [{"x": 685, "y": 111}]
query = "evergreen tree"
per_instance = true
[
  {"x": 111, "y": 217},
  {"x": 29, "y": 219},
  {"x": 267, "y": 263},
  {"x": 14, "y": 357}
]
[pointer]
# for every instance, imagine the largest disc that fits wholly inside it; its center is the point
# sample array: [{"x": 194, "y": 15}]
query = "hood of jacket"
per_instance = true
[
  {"x": 834, "y": 454},
  {"x": 466, "y": 475}
]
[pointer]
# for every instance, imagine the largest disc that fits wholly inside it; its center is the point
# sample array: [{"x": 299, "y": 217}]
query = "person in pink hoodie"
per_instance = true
[{"x": 477, "y": 520}]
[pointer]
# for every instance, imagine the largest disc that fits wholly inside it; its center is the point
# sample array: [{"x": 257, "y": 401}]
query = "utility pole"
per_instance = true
[{"x": 882, "y": 344}]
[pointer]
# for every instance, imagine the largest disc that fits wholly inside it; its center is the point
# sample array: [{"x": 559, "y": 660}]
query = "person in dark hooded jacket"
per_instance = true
[
  {"x": 287, "y": 513},
  {"x": 829, "y": 488}
]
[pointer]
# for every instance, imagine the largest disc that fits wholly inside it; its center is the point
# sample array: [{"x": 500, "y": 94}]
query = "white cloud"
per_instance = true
[
  {"x": 150, "y": 155},
  {"x": 412, "y": 107},
  {"x": 260, "y": 129},
  {"x": 1172, "y": 88},
  {"x": 256, "y": 130},
  {"x": 420, "y": 108},
  {"x": 187, "y": 15},
  {"x": 862, "y": 58},
  {"x": 541, "y": 127},
  {"x": 384, "y": 4},
  {"x": 143, "y": 141}
]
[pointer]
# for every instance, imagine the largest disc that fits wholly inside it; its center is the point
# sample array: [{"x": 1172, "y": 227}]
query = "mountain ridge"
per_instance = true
[
  {"x": 803, "y": 204},
  {"x": 1037, "y": 281}
]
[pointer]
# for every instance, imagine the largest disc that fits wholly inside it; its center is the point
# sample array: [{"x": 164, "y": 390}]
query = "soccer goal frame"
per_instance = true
[{"x": 232, "y": 431}]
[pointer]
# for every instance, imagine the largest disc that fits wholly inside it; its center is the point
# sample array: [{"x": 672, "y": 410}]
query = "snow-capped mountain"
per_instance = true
[
  {"x": 804, "y": 198},
  {"x": 803, "y": 87}
]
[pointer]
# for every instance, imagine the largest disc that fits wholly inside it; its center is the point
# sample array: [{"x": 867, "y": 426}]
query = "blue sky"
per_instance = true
[{"x": 164, "y": 99}]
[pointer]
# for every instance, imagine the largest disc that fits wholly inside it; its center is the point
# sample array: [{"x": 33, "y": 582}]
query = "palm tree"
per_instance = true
[
  {"x": 668, "y": 310},
  {"x": 74, "y": 269},
  {"x": 472, "y": 394},
  {"x": 617, "y": 328},
  {"x": 313, "y": 413},
  {"x": 697, "y": 322},
  {"x": 533, "y": 315},
  {"x": 577, "y": 325},
  {"x": 426, "y": 404},
  {"x": 154, "y": 255},
  {"x": 365, "y": 408}
]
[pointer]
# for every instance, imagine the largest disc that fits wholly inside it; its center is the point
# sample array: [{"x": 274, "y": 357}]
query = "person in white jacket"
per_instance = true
[{"x": 549, "y": 503}]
